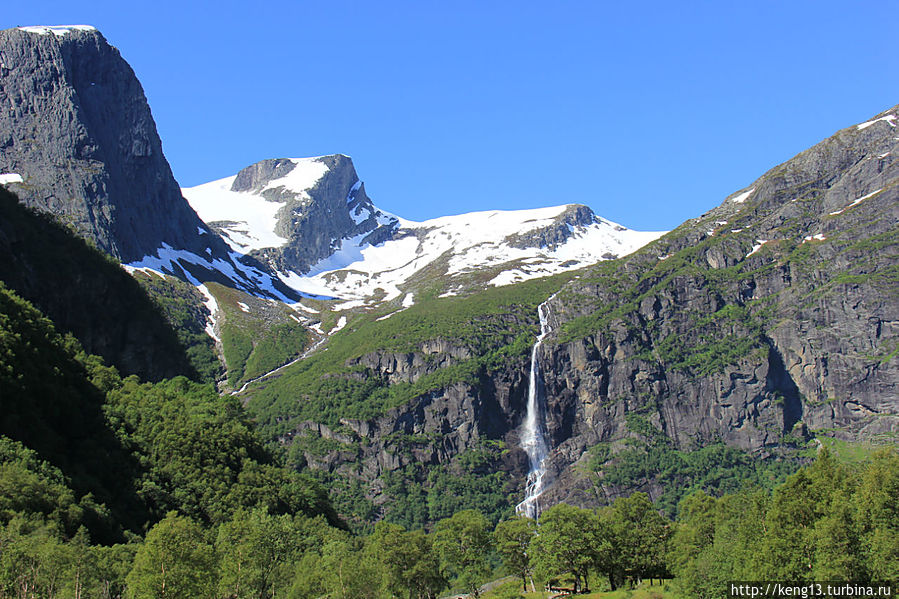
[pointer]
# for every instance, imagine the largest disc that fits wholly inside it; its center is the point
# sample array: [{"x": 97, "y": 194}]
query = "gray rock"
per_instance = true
[
  {"x": 75, "y": 124},
  {"x": 639, "y": 336},
  {"x": 315, "y": 222}
]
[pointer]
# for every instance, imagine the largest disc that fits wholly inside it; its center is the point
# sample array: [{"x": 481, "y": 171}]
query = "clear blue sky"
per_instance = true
[{"x": 649, "y": 113}]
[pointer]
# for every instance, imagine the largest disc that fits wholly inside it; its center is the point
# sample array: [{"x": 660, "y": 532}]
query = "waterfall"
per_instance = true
[{"x": 533, "y": 433}]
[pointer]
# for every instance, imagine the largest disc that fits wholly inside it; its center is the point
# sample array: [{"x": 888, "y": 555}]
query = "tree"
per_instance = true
[
  {"x": 256, "y": 553},
  {"x": 349, "y": 572},
  {"x": 409, "y": 567},
  {"x": 796, "y": 507},
  {"x": 877, "y": 515},
  {"x": 639, "y": 536},
  {"x": 174, "y": 561},
  {"x": 569, "y": 540},
  {"x": 113, "y": 565},
  {"x": 463, "y": 544},
  {"x": 693, "y": 535},
  {"x": 513, "y": 537}
]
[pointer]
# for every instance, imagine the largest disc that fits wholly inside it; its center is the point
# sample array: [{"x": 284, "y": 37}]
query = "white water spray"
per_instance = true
[{"x": 533, "y": 433}]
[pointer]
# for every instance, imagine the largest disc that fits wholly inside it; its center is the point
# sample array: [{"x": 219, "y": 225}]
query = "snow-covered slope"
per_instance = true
[
  {"x": 248, "y": 219},
  {"x": 465, "y": 244},
  {"x": 370, "y": 256}
]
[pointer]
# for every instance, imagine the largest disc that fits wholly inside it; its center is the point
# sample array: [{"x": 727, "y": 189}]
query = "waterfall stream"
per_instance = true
[{"x": 533, "y": 430}]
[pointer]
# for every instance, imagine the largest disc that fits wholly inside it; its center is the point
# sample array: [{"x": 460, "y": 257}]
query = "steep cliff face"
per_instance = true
[
  {"x": 77, "y": 140},
  {"x": 770, "y": 318},
  {"x": 292, "y": 213},
  {"x": 768, "y": 323},
  {"x": 78, "y": 129}
]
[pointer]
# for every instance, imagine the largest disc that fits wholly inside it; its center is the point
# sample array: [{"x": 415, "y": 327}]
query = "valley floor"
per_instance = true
[{"x": 643, "y": 591}]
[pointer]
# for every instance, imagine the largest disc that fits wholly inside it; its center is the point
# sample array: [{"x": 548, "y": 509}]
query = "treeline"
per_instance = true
[
  {"x": 95, "y": 469},
  {"x": 829, "y": 521},
  {"x": 110, "y": 487}
]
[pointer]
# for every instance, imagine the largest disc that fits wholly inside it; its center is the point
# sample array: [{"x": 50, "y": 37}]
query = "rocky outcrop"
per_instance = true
[
  {"x": 316, "y": 222},
  {"x": 772, "y": 317},
  {"x": 561, "y": 230},
  {"x": 76, "y": 127},
  {"x": 765, "y": 322}
]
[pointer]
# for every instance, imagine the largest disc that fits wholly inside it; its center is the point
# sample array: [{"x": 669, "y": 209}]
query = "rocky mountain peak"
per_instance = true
[
  {"x": 311, "y": 205},
  {"x": 254, "y": 177},
  {"x": 85, "y": 144},
  {"x": 567, "y": 224},
  {"x": 78, "y": 141}
]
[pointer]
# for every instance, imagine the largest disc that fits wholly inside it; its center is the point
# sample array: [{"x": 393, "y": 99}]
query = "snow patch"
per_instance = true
[
  {"x": 350, "y": 305},
  {"x": 303, "y": 177},
  {"x": 888, "y": 118},
  {"x": 248, "y": 220},
  {"x": 7, "y": 178},
  {"x": 884, "y": 155},
  {"x": 213, "y": 308},
  {"x": 299, "y": 306},
  {"x": 408, "y": 300},
  {"x": 758, "y": 245},
  {"x": 57, "y": 30},
  {"x": 743, "y": 196},
  {"x": 818, "y": 237},
  {"x": 341, "y": 322},
  {"x": 243, "y": 307},
  {"x": 856, "y": 202},
  {"x": 353, "y": 190},
  {"x": 147, "y": 271},
  {"x": 507, "y": 277}
]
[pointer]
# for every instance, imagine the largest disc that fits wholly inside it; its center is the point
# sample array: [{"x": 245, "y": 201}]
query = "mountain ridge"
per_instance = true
[
  {"x": 369, "y": 256},
  {"x": 692, "y": 340},
  {"x": 769, "y": 323},
  {"x": 79, "y": 141}
]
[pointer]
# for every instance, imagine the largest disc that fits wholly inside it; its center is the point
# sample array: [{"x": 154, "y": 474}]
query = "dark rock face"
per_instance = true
[
  {"x": 78, "y": 129},
  {"x": 315, "y": 222},
  {"x": 76, "y": 126},
  {"x": 791, "y": 289},
  {"x": 255, "y": 176}
]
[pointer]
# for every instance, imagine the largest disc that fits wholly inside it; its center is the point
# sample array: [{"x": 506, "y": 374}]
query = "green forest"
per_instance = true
[
  {"x": 116, "y": 485},
  {"x": 113, "y": 487}
]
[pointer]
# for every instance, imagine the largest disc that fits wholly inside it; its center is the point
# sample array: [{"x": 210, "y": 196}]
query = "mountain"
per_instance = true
[
  {"x": 767, "y": 322},
  {"x": 78, "y": 141},
  {"x": 394, "y": 360},
  {"x": 745, "y": 337},
  {"x": 86, "y": 293},
  {"x": 311, "y": 221},
  {"x": 292, "y": 213}
]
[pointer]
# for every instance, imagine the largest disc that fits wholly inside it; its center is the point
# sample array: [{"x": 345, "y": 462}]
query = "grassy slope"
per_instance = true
[{"x": 491, "y": 325}]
